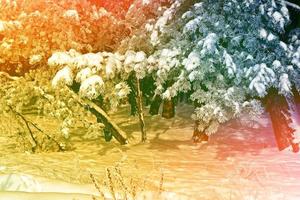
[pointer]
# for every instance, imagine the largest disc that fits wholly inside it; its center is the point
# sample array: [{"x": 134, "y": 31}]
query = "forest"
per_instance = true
[{"x": 149, "y": 99}]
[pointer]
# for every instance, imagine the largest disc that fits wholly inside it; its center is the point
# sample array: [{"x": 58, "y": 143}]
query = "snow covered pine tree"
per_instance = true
[{"x": 232, "y": 55}]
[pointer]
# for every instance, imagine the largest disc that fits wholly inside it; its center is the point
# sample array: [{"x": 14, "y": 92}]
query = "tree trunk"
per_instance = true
[
  {"x": 285, "y": 120},
  {"x": 117, "y": 133},
  {"x": 132, "y": 95},
  {"x": 168, "y": 109},
  {"x": 296, "y": 96},
  {"x": 155, "y": 105},
  {"x": 140, "y": 110},
  {"x": 297, "y": 99},
  {"x": 197, "y": 135}
]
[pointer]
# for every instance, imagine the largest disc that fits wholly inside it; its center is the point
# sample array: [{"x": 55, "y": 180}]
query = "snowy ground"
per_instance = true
[{"x": 240, "y": 162}]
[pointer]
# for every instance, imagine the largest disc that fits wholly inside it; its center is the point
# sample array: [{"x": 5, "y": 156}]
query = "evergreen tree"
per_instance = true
[{"x": 231, "y": 53}]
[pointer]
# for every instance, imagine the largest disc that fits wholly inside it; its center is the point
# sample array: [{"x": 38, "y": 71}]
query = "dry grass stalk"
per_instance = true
[{"x": 96, "y": 186}]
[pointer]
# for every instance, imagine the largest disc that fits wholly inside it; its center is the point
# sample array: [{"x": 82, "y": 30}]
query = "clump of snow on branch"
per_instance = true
[
  {"x": 35, "y": 59},
  {"x": 63, "y": 76},
  {"x": 122, "y": 90},
  {"x": 72, "y": 14},
  {"x": 91, "y": 87}
]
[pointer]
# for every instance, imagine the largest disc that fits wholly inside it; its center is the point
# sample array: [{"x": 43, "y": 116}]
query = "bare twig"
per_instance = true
[
  {"x": 34, "y": 141},
  {"x": 97, "y": 185},
  {"x": 28, "y": 123},
  {"x": 48, "y": 136},
  {"x": 120, "y": 178},
  {"x": 110, "y": 183},
  {"x": 161, "y": 183}
]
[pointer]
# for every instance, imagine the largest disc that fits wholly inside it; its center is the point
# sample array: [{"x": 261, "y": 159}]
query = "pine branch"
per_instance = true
[{"x": 289, "y": 4}]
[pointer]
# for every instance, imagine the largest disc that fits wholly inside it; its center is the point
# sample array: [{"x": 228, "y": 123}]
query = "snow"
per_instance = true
[
  {"x": 59, "y": 58},
  {"x": 146, "y": 2},
  {"x": 241, "y": 160},
  {"x": 122, "y": 90},
  {"x": 296, "y": 57},
  {"x": 209, "y": 45},
  {"x": 284, "y": 84},
  {"x": 34, "y": 59},
  {"x": 140, "y": 70},
  {"x": 283, "y": 45},
  {"x": 92, "y": 87},
  {"x": 129, "y": 57},
  {"x": 149, "y": 27},
  {"x": 262, "y": 9},
  {"x": 72, "y": 14},
  {"x": 263, "y": 33},
  {"x": 276, "y": 64},
  {"x": 88, "y": 60},
  {"x": 2, "y": 26},
  {"x": 231, "y": 67},
  {"x": 264, "y": 77},
  {"x": 83, "y": 74},
  {"x": 198, "y": 5},
  {"x": 154, "y": 37},
  {"x": 271, "y": 37},
  {"x": 63, "y": 76},
  {"x": 187, "y": 15},
  {"x": 113, "y": 65},
  {"x": 167, "y": 95},
  {"x": 19, "y": 182},
  {"x": 140, "y": 57},
  {"x": 170, "y": 53},
  {"x": 192, "y": 25},
  {"x": 278, "y": 18},
  {"x": 285, "y": 12},
  {"x": 192, "y": 61}
]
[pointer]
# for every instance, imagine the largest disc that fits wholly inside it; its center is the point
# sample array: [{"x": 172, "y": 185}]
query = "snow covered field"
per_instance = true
[{"x": 239, "y": 162}]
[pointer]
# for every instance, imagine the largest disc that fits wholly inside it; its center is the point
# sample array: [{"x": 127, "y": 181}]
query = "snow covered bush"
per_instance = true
[
  {"x": 107, "y": 79},
  {"x": 99, "y": 74},
  {"x": 29, "y": 99},
  {"x": 30, "y": 31}
]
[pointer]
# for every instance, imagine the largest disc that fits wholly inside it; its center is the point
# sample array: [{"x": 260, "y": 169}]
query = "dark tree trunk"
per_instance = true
[
  {"x": 102, "y": 117},
  {"x": 168, "y": 109},
  {"x": 296, "y": 96},
  {"x": 155, "y": 105},
  {"x": 297, "y": 99},
  {"x": 132, "y": 95},
  {"x": 147, "y": 87},
  {"x": 284, "y": 119},
  {"x": 199, "y": 136}
]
